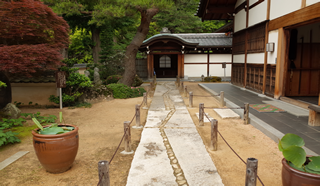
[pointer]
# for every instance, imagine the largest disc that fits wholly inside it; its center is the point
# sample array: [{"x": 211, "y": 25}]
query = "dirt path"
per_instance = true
[{"x": 101, "y": 129}]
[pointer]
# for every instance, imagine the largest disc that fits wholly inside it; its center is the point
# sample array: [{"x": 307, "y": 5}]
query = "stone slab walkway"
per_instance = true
[{"x": 171, "y": 151}]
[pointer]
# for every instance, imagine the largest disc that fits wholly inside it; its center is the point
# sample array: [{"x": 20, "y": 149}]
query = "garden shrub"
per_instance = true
[
  {"x": 112, "y": 79},
  {"x": 212, "y": 79},
  {"x": 137, "y": 81},
  {"x": 122, "y": 91}
]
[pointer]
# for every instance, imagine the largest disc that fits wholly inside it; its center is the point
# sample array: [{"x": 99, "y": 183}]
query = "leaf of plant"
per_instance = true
[
  {"x": 37, "y": 123},
  {"x": 291, "y": 139},
  {"x": 51, "y": 131},
  {"x": 60, "y": 115},
  {"x": 295, "y": 155},
  {"x": 314, "y": 164},
  {"x": 311, "y": 171},
  {"x": 295, "y": 167},
  {"x": 280, "y": 146}
]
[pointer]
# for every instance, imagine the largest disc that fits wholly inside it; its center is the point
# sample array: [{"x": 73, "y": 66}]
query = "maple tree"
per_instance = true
[{"x": 32, "y": 37}]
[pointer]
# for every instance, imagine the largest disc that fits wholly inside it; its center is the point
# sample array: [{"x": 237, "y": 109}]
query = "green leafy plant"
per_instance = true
[
  {"x": 291, "y": 147},
  {"x": 212, "y": 79},
  {"x": 2, "y": 85},
  {"x": 9, "y": 123},
  {"x": 41, "y": 119},
  {"x": 52, "y": 129},
  {"x": 122, "y": 91},
  {"x": 137, "y": 81},
  {"x": 8, "y": 137},
  {"x": 112, "y": 79}
]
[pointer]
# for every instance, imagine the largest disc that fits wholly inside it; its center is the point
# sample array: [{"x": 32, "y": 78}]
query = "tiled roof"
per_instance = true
[{"x": 44, "y": 77}]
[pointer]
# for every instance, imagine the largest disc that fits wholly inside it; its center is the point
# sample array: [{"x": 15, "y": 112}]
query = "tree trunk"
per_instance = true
[
  {"x": 5, "y": 93},
  {"x": 133, "y": 47},
  {"x": 96, "y": 49}
]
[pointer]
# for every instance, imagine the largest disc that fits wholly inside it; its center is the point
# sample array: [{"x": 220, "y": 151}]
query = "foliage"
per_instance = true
[
  {"x": 291, "y": 147},
  {"x": 8, "y": 137},
  {"x": 137, "y": 81},
  {"x": 67, "y": 100},
  {"x": 32, "y": 37},
  {"x": 42, "y": 119},
  {"x": 106, "y": 35},
  {"x": 52, "y": 129},
  {"x": 112, "y": 79},
  {"x": 212, "y": 79},
  {"x": 80, "y": 46},
  {"x": 122, "y": 91},
  {"x": 2, "y": 85},
  {"x": 9, "y": 123}
]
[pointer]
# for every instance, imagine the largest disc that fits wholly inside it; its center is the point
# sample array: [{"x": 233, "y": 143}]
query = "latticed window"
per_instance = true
[
  {"x": 165, "y": 62},
  {"x": 256, "y": 37}
]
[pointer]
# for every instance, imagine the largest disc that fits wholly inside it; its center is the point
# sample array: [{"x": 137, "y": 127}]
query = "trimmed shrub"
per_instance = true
[
  {"x": 137, "y": 81},
  {"x": 212, "y": 79},
  {"x": 122, "y": 91},
  {"x": 112, "y": 79}
]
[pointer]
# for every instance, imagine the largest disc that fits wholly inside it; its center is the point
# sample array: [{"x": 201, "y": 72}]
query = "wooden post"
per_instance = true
[
  {"x": 137, "y": 116},
  {"x": 154, "y": 79},
  {"x": 127, "y": 137},
  {"x": 251, "y": 173},
  {"x": 214, "y": 135},
  {"x": 182, "y": 84},
  {"x": 185, "y": 91},
  {"x": 145, "y": 99},
  {"x": 104, "y": 178},
  {"x": 201, "y": 114},
  {"x": 151, "y": 85},
  {"x": 222, "y": 102},
  {"x": 246, "y": 114},
  {"x": 190, "y": 99}
]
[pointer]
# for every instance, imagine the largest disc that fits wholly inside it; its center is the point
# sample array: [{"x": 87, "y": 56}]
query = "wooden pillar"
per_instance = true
[
  {"x": 222, "y": 102},
  {"x": 149, "y": 66},
  {"x": 280, "y": 74},
  {"x": 303, "y": 3},
  {"x": 185, "y": 91},
  {"x": 182, "y": 65},
  {"x": 265, "y": 59},
  {"x": 127, "y": 137},
  {"x": 214, "y": 135},
  {"x": 104, "y": 178},
  {"x": 246, "y": 47},
  {"x": 246, "y": 114},
  {"x": 179, "y": 64},
  {"x": 137, "y": 116},
  {"x": 208, "y": 64},
  {"x": 251, "y": 172},
  {"x": 201, "y": 114}
]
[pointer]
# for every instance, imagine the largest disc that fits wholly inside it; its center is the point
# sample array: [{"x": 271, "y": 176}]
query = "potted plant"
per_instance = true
[
  {"x": 56, "y": 145},
  {"x": 297, "y": 168}
]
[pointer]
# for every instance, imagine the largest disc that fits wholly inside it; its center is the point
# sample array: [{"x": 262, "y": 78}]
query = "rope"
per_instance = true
[
  {"x": 224, "y": 108},
  {"x": 206, "y": 96},
  {"x": 100, "y": 179},
  {"x": 232, "y": 148}
]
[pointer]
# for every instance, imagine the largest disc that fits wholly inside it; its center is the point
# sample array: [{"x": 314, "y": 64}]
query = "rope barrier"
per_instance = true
[
  {"x": 224, "y": 108},
  {"x": 100, "y": 179},
  {"x": 206, "y": 96},
  {"x": 232, "y": 148}
]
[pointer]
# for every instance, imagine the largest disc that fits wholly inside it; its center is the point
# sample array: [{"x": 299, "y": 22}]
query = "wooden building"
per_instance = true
[
  {"x": 171, "y": 55},
  {"x": 276, "y": 44}
]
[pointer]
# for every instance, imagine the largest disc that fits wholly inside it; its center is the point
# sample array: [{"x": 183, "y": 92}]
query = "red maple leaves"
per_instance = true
[{"x": 31, "y": 37}]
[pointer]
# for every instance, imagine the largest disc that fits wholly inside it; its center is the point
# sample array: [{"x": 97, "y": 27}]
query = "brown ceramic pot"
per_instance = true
[
  {"x": 294, "y": 177},
  {"x": 56, "y": 153}
]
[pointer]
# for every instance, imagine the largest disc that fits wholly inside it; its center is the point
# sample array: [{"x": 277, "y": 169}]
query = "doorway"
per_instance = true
[{"x": 166, "y": 65}]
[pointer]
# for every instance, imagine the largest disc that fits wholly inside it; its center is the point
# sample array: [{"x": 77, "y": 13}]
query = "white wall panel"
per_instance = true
[
  {"x": 220, "y": 58},
  {"x": 195, "y": 70},
  {"x": 240, "y": 20},
  {"x": 279, "y": 8},
  {"x": 238, "y": 58},
  {"x": 273, "y": 38},
  {"x": 258, "y": 13},
  {"x": 311, "y": 2},
  {"x": 195, "y": 58},
  {"x": 251, "y": 2},
  {"x": 257, "y": 58},
  {"x": 217, "y": 70}
]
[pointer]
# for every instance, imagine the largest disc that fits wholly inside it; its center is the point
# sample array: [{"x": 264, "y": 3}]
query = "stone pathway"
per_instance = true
[{"x": 171, "y": 151}]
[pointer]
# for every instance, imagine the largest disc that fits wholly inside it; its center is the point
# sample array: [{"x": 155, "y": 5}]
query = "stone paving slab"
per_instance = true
[
  {"x": 150, "y": 164},
  {"x": 12, "y": 159},
  {"x": 193, "y": 158},
  {"x": 227, "y": 114},
  {"x": 155, "y": 118},
  {"x": 181, "y": 118}
]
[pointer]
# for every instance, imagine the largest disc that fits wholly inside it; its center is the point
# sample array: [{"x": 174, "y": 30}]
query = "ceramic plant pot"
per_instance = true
[
  {"x": 293, "y": 177},
  {"x": 56, "y": 153}
]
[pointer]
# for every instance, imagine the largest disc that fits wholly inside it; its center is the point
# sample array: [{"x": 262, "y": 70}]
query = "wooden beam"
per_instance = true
[
  {"x": 220, "y": 9},
  {"x": 246, "y": 46},
  {"x": 280, "y": 61},
  {"x": 268, "y": 10},
  {"x": 303, "y": 3},
  {"x": 255, "y": 4},
  {"x": 265, "y": 59},
  {"x": 240, "y": 7},
  {"x": 305, "y": 14}
]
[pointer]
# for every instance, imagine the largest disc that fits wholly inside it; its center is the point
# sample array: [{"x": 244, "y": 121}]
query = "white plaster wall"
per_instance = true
[
  {"x": 279, "y": 8},
  {"x": 311, "y": 2},
  {"x": 305, "y": 33},
  {"x": 218, "y": 58},
  {"x": 195, "y": 58},
  {"x": 195, "y": 70},
  {"x": 251, "y": 2},
  {"x": 258, "y": 14},
  {"x": 256, "y": 58},
  {"x": 240, "y": 21},
  {"x": 217, "y": 70},
  {"x": 238, "y": 58},
  {"x": 273, "y": 38},
  {"x": 239, "y": 2}
]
